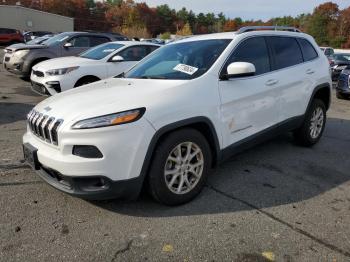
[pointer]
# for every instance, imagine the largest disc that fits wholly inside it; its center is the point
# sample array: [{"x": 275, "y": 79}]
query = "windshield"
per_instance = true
[
  {"x": 180, "y": 61},
  {"x": 342, "y": 57},
  {"x": 101, "y": 51},
  {"x": 56, "y": 39},
  {"x": 39, "y": 40}
]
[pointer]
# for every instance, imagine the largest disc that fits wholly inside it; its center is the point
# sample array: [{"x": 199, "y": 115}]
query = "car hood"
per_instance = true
[
  {"x": 63, "y": 62},
  {"x": 107, "y": 97},
  {"x": 17, "y": 47}
]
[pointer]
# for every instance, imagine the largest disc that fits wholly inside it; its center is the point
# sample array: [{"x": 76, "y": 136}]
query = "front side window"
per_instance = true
[
  {"x": 101, "y": 51},
  {"x": 180, "y": 61},
  {"x": 309, "y": 52},
  {"x": 286, "y": 50},
  {"x": 134, "y": 53},
  {"x": 80, "y": 41},
  {"x": 253, "y": 50}
]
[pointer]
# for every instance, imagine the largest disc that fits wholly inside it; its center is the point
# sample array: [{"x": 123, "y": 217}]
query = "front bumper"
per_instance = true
[
  {"x": 92, "y": 187},
  {"x": 52, "y": 84},
  {"x": 117, "y": 174},
  {"x": 16, "y": 66},
  {"x": 343, "y": 86}
]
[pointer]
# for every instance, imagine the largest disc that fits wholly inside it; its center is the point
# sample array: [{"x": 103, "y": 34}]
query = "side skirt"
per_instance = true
[{"x": 249, "y": 142}]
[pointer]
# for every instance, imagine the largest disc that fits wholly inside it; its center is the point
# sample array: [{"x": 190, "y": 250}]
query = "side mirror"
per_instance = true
[
  {"x": 240, "y": 69},
  {"x": 67, "y": 45},
  {"x": 117, "y": 58}
]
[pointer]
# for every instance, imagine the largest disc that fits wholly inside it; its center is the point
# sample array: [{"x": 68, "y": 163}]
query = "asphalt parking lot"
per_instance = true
[{"x": 275, "y": 202}]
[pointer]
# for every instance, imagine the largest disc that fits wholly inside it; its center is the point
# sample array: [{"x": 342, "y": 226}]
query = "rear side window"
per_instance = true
[
  {"x": 97, "y": 40},
  {"x": 151, "y": 49},
  {"x": 253, "y": 50},
  {"x": 329, "y": 51},
  {"x": 286, "y": 51},
  {"x": 309, "y": 52}
]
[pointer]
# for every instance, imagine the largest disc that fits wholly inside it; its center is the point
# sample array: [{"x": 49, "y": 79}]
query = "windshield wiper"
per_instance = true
[{"x": 152, "y": 77}]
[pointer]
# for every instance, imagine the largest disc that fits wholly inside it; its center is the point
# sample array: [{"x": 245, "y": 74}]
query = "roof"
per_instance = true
[
  {"x": 234, "y": 34},
  {"x": 33, "y": 10},
  {"x": 131, "y": 43}
]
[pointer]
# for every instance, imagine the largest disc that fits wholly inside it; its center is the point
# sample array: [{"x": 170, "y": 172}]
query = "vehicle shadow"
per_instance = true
[
  {"x": 275, "y": 173},
  {"x": 13, "y": 112}
]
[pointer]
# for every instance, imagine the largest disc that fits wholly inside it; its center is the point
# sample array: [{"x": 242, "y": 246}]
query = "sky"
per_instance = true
[{"x": 247, "y": 9}]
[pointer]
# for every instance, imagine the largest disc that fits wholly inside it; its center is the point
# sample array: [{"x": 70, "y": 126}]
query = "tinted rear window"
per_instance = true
[
  {"x": 287, "y": 51},
  {"x": 309, "y": 52}
]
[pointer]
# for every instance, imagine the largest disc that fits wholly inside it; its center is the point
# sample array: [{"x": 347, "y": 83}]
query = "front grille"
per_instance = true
[
  {"x": 44, "y": 126},
  {"x": 38, "y": 73}
]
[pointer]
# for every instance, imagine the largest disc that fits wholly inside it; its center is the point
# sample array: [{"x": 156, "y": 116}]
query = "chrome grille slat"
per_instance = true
[{"x": 44, "y": 126}]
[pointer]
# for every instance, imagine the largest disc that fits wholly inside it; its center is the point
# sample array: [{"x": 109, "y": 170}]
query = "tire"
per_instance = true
[
  {"x": 340, "y": 96},
  {"x": 85, "y": 81},
  {"x": 159, "y": 184},
  {"x": 306, "y": 135}
]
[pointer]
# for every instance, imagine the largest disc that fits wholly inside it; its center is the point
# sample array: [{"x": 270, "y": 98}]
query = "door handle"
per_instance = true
[
  {"x": 271, "y": 82},
  {"x": 310, "y": 71}
]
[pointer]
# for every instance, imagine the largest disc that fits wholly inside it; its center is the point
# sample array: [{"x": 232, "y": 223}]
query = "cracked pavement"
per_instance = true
[{"x": 274, "y": 202}]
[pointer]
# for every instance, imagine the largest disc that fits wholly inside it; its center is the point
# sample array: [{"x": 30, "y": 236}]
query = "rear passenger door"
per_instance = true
[
  {"x": 248, "y": 104},
  {"x": 98, "y": 40},
  {"x": 292, "y": 76}
]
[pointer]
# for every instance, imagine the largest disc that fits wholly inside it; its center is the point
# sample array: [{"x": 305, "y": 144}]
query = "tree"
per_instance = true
[{"x": 186, "y": 30}]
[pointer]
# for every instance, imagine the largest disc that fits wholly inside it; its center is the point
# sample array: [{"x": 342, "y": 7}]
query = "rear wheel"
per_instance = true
[
  {"x": 180, "y": 166},
  {"x": 313, "y": 126},
  {"x": 340, "y": 96}
]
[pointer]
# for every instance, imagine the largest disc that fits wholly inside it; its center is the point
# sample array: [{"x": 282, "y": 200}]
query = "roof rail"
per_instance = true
[{"x": 275, "y": 28}]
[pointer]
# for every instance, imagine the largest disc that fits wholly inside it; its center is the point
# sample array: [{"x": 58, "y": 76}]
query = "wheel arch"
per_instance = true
[
  {"x": 322, "y": 92},
  {"x": 86, "y": 77},
  {"x": 201, "y": 124},
  {"x": 38, "y": 60}
]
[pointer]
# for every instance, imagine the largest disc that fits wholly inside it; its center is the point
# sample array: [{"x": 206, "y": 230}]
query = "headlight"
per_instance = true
[
  {"x": 22, "y": 52},
  {"x": 61, "y": 71},
  {"x": 111, "y": 120}
]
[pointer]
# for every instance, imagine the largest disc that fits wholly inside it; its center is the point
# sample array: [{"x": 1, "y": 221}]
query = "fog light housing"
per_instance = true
[
  {"x": 87, "y": 151},
  {"x": 54, "y": 85}
]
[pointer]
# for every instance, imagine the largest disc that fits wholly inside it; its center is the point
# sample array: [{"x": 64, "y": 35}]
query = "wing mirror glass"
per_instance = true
[
  {"x": 240, "y": 69},
  {"x": 117, "y": 58}
]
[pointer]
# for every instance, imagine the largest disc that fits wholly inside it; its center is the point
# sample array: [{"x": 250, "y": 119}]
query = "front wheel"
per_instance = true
[
  {"x": 313, "y": 126},
  {"x": 181, "y": 163}
]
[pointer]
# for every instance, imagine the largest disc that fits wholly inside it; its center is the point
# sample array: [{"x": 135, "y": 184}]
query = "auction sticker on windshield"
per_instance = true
[{"x": 190, "y": 70}]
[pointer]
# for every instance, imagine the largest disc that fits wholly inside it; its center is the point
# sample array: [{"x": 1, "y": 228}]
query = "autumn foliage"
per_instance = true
[{"x": 327, "y": 23}]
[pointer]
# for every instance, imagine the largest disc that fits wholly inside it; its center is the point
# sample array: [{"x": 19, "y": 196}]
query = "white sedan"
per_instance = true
[{"x": 103, "y": 61}]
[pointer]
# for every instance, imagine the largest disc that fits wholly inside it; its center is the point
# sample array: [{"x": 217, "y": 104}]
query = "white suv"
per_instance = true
[{"x": 180, "y": 111}]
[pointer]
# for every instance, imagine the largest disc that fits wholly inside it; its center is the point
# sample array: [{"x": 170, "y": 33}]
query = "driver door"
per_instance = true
[
  {"x": 249, "y": 104},
  {"x": 79, "y": 45}
]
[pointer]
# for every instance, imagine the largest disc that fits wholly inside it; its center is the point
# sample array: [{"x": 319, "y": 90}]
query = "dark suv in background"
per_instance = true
[
  {"x": 10, "y": 36},
  {"x": 19, "y": 59}
]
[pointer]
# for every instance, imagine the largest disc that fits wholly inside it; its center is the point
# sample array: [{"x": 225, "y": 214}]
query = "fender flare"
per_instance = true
[
  {"x": 171, "y": 127},
  {"x": 316, "y": 89}
]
